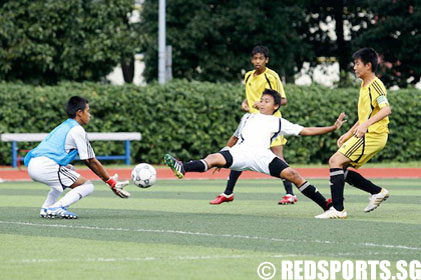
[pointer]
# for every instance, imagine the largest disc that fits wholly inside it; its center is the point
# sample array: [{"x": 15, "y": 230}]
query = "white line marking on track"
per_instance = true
[
  {"x": 365, "y": 244},
  {"x": 129, "y": 259}
]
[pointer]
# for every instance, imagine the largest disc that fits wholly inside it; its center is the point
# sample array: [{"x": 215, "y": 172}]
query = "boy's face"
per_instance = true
[
  {"x": 84, "y": 116},
  {"x": 259, "y": 61},
  {"x": 267, "y": 105},
  {"x": 361, "y": 69}
]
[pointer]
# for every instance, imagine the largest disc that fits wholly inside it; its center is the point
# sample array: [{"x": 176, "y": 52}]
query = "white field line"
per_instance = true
[
  {"x": 365, "y": 244},
  {"x": 129, "y": 259}
]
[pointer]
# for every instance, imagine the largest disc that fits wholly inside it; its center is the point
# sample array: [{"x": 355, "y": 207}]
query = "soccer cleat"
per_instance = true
[
  {"x": 222, "y": 198},
  {"x": 43, "y": 213},
  {"x": 332, "y": 213},
  {"x": 175, "y": 165},
  {"x": 376, "y": 199},
  {"x": 288, "y": 199},
  {"x": 60, "y": 212}
]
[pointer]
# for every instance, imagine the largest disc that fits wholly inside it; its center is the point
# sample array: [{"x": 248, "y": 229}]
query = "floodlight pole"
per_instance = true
[{"x": 161, "y": 43}]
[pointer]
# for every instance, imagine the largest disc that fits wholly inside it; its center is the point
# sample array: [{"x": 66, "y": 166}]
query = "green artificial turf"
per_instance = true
[{"x": 169, "y": 231}]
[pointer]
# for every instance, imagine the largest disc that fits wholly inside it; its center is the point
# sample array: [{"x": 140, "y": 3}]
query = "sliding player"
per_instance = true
[{"x": 252, "y": 148}]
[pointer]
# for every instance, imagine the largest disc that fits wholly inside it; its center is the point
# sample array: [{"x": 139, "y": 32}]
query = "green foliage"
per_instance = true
[
  {"x": 193, "y": 119},
  {"x": 49, "y": 41},
  {"x": 391, "y": 27},
  {"x": 395, "y": 34},
  {"x": 212, "y": 40}
]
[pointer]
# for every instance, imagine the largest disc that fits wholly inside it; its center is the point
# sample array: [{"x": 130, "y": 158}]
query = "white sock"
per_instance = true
[
  {"x": 52, "y": 197},
  {"x": 75, "y": 194}
]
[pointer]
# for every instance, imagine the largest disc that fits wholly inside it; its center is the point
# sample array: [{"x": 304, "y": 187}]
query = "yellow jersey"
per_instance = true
[
  {"x": 255, "y": 85},
  {"x": 372, "y": 99}
]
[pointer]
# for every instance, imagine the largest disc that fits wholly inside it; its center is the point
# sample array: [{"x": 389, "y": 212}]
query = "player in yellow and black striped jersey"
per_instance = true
[
  {"x": 256, "y": 81},
  {"x": 366, "y": 138}
]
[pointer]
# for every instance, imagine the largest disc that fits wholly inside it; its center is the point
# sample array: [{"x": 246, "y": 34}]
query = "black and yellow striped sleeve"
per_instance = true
[{"x": 379, "y": 94}]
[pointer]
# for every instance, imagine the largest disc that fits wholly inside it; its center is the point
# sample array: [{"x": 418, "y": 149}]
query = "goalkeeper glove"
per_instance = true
[{"x": 118, "y": 187}]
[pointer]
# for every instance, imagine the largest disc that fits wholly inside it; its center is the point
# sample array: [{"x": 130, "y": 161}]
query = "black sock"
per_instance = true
[
  {"x": 196, "y": 166},
  {"x": 313, "y": 193},
  {"x": 232, "y": 179},
  {"x": 337, "y": 183},
  {"x": 357, "y": 180},
  {"x": 288, "y": 187}
]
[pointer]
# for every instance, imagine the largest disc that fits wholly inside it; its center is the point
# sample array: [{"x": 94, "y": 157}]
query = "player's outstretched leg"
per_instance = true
[
  {"x": 176, "y": 166},
  {"x": 305, "y": 187}
]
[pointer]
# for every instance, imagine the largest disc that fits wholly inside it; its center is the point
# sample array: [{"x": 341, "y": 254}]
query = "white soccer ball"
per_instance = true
[{"x": 144, "y": 175}]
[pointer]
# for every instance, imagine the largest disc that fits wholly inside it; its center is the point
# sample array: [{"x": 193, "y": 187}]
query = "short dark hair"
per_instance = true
[
  {"x": 74, "y": 104},
  {"x": 367, "y": 55},
  {"x": 260, "y": 49},
  {"x": 276, "y": 97}
]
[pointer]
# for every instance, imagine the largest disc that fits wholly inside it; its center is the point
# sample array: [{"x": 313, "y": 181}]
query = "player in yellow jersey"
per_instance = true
[
  {"x": 366, "y": 138},
  {"x": 256, "y": 81}
]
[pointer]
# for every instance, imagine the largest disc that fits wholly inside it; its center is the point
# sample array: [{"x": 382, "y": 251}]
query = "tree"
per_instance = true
[
  {"x": 48, "y": 41},
  {"x": 391, "y": 27},
  {"x": 212, "y": 39},
  {"x": 329, "y": 28},
  {"x": 395, "y": 35}
]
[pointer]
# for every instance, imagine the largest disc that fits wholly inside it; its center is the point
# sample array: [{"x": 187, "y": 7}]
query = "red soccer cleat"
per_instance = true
[
  {"x": 288, "y": 199},
  {"x": 222, "y": 198}
]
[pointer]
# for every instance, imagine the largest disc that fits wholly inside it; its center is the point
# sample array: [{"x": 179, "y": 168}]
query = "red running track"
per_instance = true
[{"x": 166, "y": 173}]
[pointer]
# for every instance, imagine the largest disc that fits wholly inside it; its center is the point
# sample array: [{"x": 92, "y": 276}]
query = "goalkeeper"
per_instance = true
[
  {"x": 251, "y": 148},
  {"x": 49, "y": 163}
]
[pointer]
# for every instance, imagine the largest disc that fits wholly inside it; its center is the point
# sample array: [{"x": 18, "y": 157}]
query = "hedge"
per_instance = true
[{"x": 192, "y": 119}]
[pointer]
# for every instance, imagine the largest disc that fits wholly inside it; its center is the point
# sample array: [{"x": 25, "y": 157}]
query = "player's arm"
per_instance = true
[
  {"x": 347, "y": 135},
  {"x": 87, "y": 155},
  {"x": 97, "y": 167},
  {"x": 379, "y": 101},
  {"x": 361, "y": 129},
  {"x": 309, "y": 131},
  {"x": 116, "y": 186},
  {"x": 232, "y": 141},
  {"x": 245, "y": 105},
  {"x": 283, "y": 101}
]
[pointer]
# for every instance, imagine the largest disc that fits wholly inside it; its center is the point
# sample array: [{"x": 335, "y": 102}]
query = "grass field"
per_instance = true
[{"x": 171, "y": 232}]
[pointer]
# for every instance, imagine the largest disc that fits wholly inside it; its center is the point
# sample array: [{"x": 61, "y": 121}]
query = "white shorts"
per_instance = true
[
  {"x": 255, "y": 159},
  {"x": 47, "y": 171}
]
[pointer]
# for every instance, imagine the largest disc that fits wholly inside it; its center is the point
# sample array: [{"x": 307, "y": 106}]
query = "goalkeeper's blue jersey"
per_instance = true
[{"x": 53, "y": 146}]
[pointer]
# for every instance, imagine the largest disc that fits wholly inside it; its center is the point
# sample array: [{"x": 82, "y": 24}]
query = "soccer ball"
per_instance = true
[{"x": 144, "y": 175}]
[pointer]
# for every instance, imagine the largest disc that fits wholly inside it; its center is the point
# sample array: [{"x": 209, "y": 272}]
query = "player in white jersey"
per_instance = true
[
  {"x": 49, "y": 163},
  {"x": 249, "y": 148}
]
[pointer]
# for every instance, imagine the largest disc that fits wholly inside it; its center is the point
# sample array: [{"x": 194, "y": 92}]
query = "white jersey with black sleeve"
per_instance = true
[
  {"x": 259, "y": 130},
  {"x": 77, "y": 138}
]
